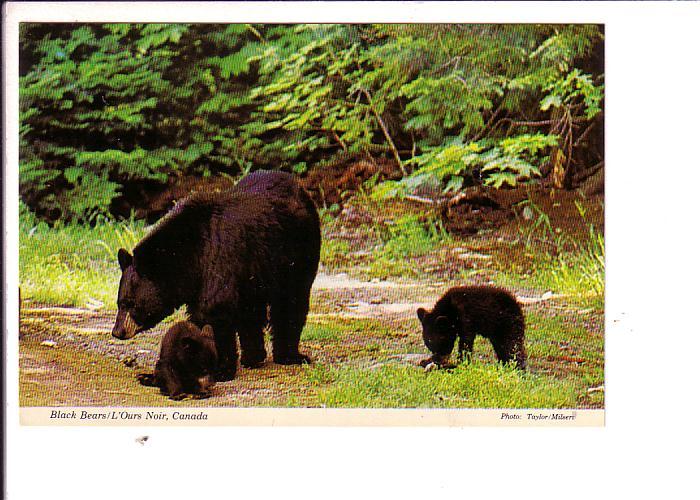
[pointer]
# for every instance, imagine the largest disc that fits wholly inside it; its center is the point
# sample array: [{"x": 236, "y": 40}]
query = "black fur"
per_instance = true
[
  {"x": 187, "y": 362},
  {"x": 228, "y": 256},
  {"x": 464, "y": 312}
]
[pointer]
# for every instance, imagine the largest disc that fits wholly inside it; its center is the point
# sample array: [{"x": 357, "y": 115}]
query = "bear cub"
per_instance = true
[
  {"x": 463, "y": 312},
  {"x": 187, "y": 362}
]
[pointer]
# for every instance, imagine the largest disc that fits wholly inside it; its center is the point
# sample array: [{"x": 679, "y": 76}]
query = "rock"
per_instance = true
[
  {"x": 94, "y": 305},
  {"x": 430, "y": 367},
  {"x": 409, "y": 358}
]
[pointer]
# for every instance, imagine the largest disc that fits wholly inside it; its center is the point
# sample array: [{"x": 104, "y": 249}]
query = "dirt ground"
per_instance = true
[{"x": 69, "y": 358}]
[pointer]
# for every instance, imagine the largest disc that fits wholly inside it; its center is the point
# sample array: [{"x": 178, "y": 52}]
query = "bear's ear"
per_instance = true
[
  {"x": 442, "y": 322},
  {"x": 208, "y": 332},
  {"x": 125, "y": 259},
  {"x": 421, "y": 313}
]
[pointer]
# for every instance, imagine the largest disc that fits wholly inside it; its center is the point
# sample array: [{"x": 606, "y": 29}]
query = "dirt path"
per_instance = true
[{"x": 68, "y": 357}]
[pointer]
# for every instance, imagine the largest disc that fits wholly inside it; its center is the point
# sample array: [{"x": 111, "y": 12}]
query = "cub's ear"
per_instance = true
[
  {"x": 442, "y": 322},
  {"x": 421, "y": 313},
  {"x": 125, "y": 259},
  {"x": 208, "y": 332}
]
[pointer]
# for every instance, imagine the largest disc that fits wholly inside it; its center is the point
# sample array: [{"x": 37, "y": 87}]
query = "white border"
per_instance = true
[{"x": 652, "y": 332}]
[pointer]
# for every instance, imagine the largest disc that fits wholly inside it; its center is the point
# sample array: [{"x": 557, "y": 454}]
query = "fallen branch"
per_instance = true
[{"x": 420, "y": 199}]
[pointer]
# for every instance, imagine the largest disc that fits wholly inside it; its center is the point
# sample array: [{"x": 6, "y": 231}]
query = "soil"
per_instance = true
[{"x": 69, "y": 358}]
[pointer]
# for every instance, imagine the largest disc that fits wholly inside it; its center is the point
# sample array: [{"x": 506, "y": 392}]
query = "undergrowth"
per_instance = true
[{"x": 561, "y": 263}]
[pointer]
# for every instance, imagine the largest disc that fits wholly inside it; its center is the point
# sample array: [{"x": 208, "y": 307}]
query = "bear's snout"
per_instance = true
[{"x": 124, "y": 326}]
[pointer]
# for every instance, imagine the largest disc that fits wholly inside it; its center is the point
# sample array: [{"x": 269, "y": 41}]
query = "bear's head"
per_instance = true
[
  {"x": 438, "y": 332},
  {"x": 141, "y": 301},
  {"x": 194, "y": 356}
]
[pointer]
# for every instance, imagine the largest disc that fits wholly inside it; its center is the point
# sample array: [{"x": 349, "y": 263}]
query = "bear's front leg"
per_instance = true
[
  {"x": 227, "y": 353},
  {"x": 465, "y": 347},
  {"x": 169, "y": 382}
]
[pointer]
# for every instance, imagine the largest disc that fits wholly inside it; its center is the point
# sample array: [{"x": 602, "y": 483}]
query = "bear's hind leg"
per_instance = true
[
  {"x": 287, "y": 320},
  {"x": 510, "y": 350},
  {"x": 252, "y": 338}
]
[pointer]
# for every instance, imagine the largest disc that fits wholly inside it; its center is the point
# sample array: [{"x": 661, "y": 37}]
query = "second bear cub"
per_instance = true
[
  {"x": 187, "y": 362},
  {"x": 464, "y": 312}
]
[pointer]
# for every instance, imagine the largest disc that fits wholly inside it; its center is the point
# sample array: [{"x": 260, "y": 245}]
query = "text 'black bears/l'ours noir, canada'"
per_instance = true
[
  {"x": 464, "y": 312},
  {"x": 229, "y": 256},
  {"x": 187, "y": 362}
]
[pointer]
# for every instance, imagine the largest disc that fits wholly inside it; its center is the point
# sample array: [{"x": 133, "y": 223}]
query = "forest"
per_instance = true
[
  {"x": 113, "y": 114},
  {"x": 436, "y": 155}
]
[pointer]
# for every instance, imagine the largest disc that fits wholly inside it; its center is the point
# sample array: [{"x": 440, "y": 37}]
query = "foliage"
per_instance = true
[{"x": 106, "y": 109}]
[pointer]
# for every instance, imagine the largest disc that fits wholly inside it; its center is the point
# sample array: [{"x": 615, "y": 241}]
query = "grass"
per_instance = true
[
  {"x": 559, "y": 262},
  {"x": 72, "y": 264},
  {"x": 407, "y": 238},
  {"x": 472, "y": 385},
  {"x": 566, "y": 358},
  {"x": 578, "y": 274},
  {"x": 334, "y": 253}
]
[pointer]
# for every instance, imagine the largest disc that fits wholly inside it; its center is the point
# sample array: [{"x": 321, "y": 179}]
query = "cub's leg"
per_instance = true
[{"x": 465, "y": 346}]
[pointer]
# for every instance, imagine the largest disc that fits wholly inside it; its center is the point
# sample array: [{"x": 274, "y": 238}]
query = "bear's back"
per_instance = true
[{"x": 484, "y": 307}]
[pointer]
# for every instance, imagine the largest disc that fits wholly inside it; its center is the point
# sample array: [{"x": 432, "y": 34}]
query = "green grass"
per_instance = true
[
  {"x": 337, "y": 328},
  {"x": 72, "y": 264},
  {"x": 319, "y": 331},
  {"x": 472, "y": 385},
  {"x": 579, "y": 274},
  {"x": 565, "y": 352},
  {"x": 334, "y": 252},
  {"x": 407, "y": 238},
  {"x": 561, "y": 263}
]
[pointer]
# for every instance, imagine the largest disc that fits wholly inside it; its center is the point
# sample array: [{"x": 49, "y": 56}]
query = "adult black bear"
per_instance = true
[
  {"x": 467, "y": 311},
  {"x": 187, "y": 362},
  {"x": 229, "y": 256}
]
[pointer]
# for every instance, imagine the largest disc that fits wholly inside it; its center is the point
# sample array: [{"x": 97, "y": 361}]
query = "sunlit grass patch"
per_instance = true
[
  {"x": 334, "y": 252},
  {"x": 472, "y": 385},
  {"x": 578, "y": 274},
  {"x": 336, "y": 328},
  {"x": 72, "y": 264}
]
